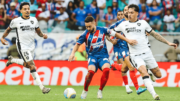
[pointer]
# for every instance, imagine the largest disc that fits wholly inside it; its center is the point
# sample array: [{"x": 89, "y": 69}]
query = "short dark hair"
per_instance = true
[
  {"x": 136, "y": 8},
  {"x": 24, "y": 3},
  {"x": 89, "y": 19},
  {"x": 109, "y": 7},
  {"x": 121, "y": 11}
]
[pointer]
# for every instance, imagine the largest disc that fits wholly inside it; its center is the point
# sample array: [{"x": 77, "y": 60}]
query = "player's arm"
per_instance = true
[
  {"x": 39, "y": 32},
  {"x": 7, "y": 31},
  {"x": 113, "y": 41},
  {"x": 161, "y": 39},
  {"x": 131, "y": 42},
  {"x": 76, "y": 47}
]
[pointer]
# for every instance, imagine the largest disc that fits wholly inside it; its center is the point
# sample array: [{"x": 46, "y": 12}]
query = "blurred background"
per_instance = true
[{"x": 63, "y": 21}]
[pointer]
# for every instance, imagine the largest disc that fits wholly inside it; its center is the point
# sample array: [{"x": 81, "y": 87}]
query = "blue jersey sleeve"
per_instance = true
[
  {"x": 56, "y": 16},
  {"x": 82, "y": 38},
  {"x": 75, "y": 11},
  {"x": 112, "y": 26}
]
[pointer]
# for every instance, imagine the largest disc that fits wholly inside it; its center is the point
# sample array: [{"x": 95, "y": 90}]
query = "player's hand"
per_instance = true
[
  {"x": 173, "y": 44},
  {"x": 132, "y": 42},
  {"x": 3, "y": 41},
  {"x": 71, "y": 57},
  {"x": 45, "y": 36}
]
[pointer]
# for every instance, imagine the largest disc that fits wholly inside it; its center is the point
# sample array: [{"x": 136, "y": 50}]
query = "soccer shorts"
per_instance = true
[
  {"x": 118, "y": 54},
  {"x": 124, "y": 53},
  {"x": 97, "y": 62},
  {"x": 26, "y": 55},
  {"x": 145, "y": 59}
]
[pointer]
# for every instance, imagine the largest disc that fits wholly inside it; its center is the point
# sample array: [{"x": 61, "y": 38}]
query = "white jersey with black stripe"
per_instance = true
[
  {"x": 137, "y": 31},
  {"x": 25, "y": 30}
]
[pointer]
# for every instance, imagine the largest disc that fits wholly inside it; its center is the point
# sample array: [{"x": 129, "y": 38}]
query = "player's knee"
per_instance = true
[
  {"x": 144, "y": 73},
  {"x": 158, "y": 75}
]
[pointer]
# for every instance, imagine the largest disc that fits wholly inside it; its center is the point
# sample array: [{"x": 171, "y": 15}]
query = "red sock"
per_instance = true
[
  {"x": 125, "y": 79},
  {"x": 88, "y": 79},
  {"x": 134, "y": 79},
  {"x": 117, "y": 66},
  {"x": 104, "y": 78}
]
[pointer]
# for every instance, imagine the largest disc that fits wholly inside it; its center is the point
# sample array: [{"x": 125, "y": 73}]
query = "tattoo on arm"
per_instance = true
[
  {"x": 38, "y": 31},
  {"x": 7, "y": 31},
  {"x": 158, "y": 37}
]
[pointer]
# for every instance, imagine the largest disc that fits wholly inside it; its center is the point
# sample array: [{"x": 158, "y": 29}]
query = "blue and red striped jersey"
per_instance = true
[{"x": 95, "y": 42}]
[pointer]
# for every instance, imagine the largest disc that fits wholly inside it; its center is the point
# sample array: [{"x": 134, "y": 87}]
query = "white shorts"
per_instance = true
[
  {"x": 26, "y": 55},
  {"x": 145, "y": 59}
]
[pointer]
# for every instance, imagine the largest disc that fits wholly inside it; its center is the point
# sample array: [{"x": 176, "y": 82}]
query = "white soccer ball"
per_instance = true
[{"x": 69, "y": 93}]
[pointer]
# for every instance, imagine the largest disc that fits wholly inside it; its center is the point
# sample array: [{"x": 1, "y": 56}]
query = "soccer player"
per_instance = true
[
  {"x": 26, "y": 29},
  {"x": 140, "y": 54},
  {"x": 94, "y": 37},
  {"x": 122, "y": 52}
]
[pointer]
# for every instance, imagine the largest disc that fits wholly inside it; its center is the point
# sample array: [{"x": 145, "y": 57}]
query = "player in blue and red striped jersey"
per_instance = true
[
  {"x": 122, "y": 53},
  {"x": 94, "y": 37}
]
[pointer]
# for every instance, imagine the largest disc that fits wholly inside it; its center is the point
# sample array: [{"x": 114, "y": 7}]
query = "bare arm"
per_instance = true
[
  {"x": 73, "y": 17},
  {"x": 39, "y": 32},
  {"x": 131, "y": 42},
  {"x": 7, "y": 31},
  {"x": 73, "y": 52},
  {"x": 113, "y": 41},
  {"x": 161, "y": 39}
]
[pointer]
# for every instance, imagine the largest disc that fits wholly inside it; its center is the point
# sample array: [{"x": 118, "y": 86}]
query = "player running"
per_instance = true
[
  {"x": 26, "y": 29},
  {"x": 122, "y": 53},
  {"x": 140, "y": 54},
  {"x": 94, "y": 37}
]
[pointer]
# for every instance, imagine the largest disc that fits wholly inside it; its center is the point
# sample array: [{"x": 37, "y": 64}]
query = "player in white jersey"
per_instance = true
[
  {"x": 26, "y": 28},
  {"x": 140, "y": 54}
]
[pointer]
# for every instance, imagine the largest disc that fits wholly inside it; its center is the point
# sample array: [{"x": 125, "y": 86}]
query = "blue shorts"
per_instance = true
[
  {"x": 118, "y": 54},
  {"x": 97, "y": 62},
  {"x": 124, "y": 53}
]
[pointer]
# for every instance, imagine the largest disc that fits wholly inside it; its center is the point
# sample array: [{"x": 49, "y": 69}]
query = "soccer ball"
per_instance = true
[{"x": 69, "y": 93}]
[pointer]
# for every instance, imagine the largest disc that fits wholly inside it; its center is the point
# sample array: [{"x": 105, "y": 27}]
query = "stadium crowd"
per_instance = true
[{"x": 58, "y": 15}]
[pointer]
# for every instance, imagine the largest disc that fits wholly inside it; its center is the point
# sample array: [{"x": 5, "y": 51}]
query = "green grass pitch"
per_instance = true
[{"x": 110, "y": 93}]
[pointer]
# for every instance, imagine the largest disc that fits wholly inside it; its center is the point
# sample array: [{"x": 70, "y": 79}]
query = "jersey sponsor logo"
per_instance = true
[
  {"x": 98, "y": 44},
  {"x": 26, "y": 28},
  {"x": 133, "y": 29}
]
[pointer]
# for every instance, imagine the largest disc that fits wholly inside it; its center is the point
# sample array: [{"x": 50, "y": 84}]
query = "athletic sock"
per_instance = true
[
  {"x": 36, "y": 78},
  {"x": 104, "y": 78},
  {"x": 149, "y": 85},
  {"x": 18, "y": 61},
  {"x": 125, "y": 80},
  {"x": 117, "y": 66},
  {"x": 88, "y": 79},
  {"x": 134, "y": 79}
]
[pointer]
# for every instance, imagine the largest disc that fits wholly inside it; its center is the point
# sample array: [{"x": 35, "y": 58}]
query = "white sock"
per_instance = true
[
  {"x": 37, "y": 79},
  {"x": 149, "y": 85},
  {"x": 18, "y": 61},
  {"x": 127, "y": 86}
]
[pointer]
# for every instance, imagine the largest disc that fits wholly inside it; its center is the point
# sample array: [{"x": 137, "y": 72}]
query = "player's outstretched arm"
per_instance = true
[
  {"x": 113, "y": 41},
  {"x": 39, "y": 32},
  {"x": 131, "y": 42},
  {"x": 7, "y": 31},
  {"x": 71, "y": 57},
  {"x": 161, "y": 39}
]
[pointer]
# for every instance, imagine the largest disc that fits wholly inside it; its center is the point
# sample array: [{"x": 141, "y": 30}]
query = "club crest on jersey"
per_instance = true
[
  {"x": 32, "y": 22},
  {"x": 139, "y": 24}
]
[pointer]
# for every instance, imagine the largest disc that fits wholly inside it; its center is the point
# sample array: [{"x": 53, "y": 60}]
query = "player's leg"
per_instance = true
[
  {"x": 139, "y": 63},
  {"x": 133, "y": 77},
  {"x": 105, "y": 67},
  {"x": 91, "y": 70},
  {"x": 124, "y": 70},
  {"x": 29, "y": 63},
  {"x": 118, "y": 65}
]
